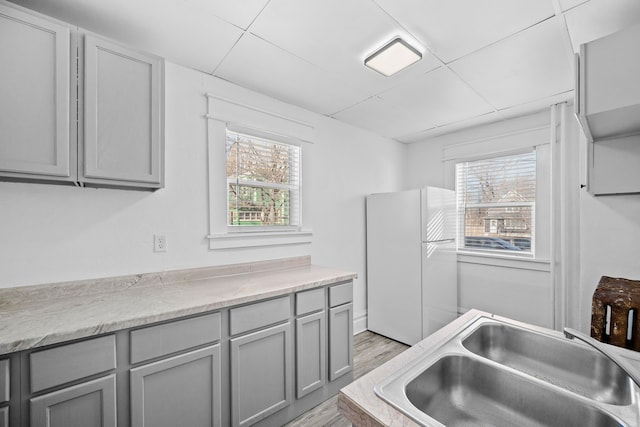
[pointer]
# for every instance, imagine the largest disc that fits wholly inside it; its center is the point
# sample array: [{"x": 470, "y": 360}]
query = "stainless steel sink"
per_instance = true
[
  {"x": 554, "y": 359},
  {"x": 497, "y": 372},
  {"x": 463, "y": 391}
]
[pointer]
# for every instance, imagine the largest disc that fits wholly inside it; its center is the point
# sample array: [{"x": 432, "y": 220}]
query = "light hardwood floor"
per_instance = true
[{"x": 370, "y": 351}]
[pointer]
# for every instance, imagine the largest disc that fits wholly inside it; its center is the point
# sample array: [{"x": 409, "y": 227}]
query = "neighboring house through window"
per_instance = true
[{"x": 496, "y": 203}]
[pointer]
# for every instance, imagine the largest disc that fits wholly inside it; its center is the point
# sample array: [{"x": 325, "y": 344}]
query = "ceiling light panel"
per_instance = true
[{"x": 393, "y": 57}]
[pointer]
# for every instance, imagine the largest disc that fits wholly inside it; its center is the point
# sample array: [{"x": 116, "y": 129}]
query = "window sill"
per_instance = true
[
  {"x": 258, "y": 239},
  {"x": 503, "y": 260}
]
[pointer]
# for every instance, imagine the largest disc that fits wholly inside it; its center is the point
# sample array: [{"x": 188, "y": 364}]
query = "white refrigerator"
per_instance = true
[{"x": 411, "y": 263}]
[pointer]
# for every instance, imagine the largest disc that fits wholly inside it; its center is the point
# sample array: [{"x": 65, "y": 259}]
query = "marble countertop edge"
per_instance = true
[{"x": 27, "y": 323}]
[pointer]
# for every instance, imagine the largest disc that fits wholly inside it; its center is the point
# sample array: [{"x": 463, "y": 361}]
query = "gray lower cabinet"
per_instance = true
[
  {"x": 5, "y": 381},
  {"x": 236, "y": 366},
  {"x": 4, "y": 416},
  {"x": 90, "y": 404},
  {"x": 261, "y": 374},
  {"x": 311, "y": 350},
  {"x": 340, "y": 340},
  {"x": 184, "y": 390}
]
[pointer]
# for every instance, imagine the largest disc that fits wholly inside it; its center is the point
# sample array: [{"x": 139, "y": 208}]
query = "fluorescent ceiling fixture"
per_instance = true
[{"x": 395, "y": 56}]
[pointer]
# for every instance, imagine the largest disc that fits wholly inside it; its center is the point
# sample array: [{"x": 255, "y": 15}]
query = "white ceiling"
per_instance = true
[{"x": 483, "y": 60}]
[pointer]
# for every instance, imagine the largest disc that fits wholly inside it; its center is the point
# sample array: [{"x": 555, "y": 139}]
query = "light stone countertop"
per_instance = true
[{"x": 40, "y": 315}]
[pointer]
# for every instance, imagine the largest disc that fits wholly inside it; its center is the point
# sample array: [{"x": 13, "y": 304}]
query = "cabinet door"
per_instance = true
[
  {"x": 4, "y": 416},
  {"x": 613, "y": 166},
  {"x": 260, "y": 374},
  {"x": 84, "y": 405},
  {"x": 340, "y": 341},
  {"x": 123, "y": 126},
  {"x": 5, "y": 380},
  {"x": 311, "y": 350},
  {"x": 184, "y": 390},
  {"x": 34, "y": 97}
]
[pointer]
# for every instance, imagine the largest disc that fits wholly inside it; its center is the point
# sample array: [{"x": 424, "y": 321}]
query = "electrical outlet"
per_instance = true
[{"x": 159, "y": 243}]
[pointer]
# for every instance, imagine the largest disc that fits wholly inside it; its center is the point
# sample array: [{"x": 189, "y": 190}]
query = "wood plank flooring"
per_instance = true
[{"x": 370, "y": 351}]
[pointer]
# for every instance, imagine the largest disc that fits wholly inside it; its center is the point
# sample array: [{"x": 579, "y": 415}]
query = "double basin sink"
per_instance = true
[{"x": 494, "y": 372}]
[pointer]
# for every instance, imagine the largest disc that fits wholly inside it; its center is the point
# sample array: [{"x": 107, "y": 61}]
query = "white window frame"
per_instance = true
[
  {"x": 295, "y": 206},
  {"x": 503, "y": 145},
  {"x": 223, "y": 114}
]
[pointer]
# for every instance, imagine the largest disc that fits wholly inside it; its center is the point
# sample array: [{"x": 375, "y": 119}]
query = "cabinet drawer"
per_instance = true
[
  {"x": 340, "y": 294},
  {"x": 161, "y": 340},
  {"x": 5, "y": 380},
  {"x": 259, "y": 315},
  {"x": 71, "y": 362},
  {"x": 309, "y": 301}
]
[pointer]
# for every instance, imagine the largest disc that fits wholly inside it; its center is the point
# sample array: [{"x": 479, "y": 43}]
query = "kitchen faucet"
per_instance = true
[{"x": 631, "y": 371}]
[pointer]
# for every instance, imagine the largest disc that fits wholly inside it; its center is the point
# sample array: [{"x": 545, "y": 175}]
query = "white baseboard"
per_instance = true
[{"x": 359, "y": 323}]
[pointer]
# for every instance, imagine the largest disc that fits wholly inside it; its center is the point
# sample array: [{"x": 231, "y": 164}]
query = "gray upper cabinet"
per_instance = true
[
  {"x": 613, "y": 166},
  {"x": 123, "y": 126},
  {"x": 34, "y": 98},
  {"x": 608, "y": 85},
  {"x": 608, "y": 107},
  {"x": 76, "y": 108}
]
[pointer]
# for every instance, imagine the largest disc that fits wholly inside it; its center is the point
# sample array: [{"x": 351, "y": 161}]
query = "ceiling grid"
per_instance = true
[{"x": 482, "y": 60}]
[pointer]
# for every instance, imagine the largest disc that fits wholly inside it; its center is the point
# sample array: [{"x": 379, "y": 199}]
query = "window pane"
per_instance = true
[
  {"x": 496, "y": 203},
  {"x": 503, "y": 228},
  {"x": 254, "y": 159},
  {"x": 258, "y": 206},
  {"x": 263, "y": 182},
  {"x": 501, "y": 180}
]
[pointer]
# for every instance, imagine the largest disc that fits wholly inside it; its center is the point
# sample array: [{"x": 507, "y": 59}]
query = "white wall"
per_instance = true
[
  {"x": 609, "y": 244},
  {"x": 520, "y": 290},
  {"x": 53, "y": 233}
]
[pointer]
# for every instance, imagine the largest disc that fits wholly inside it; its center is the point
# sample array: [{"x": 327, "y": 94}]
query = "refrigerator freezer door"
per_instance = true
[
  {"x": 438, "y": 207},
  {"x": 439, "y": 285},
  {"x": 394, "y": 293}
]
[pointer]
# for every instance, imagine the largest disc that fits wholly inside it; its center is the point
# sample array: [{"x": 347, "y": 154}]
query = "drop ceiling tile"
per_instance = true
[
  {"x": 384, "y": 118},
  {"x": 533, "y": 64},
  {"x": 164, "y": 27},
  {"x": 438, "y": 97},
  {"x": 599, "y": 18},
  {"x": 452, "y": 127},
  {"x": 454, "y": 28},
  {"x": 240, "y": 13},
  {"x": 263, "y": 67},
  {"x": 537, "y": 105},
  {"x": 568, "y": 4},
  {"x": 337, "y": 36}
]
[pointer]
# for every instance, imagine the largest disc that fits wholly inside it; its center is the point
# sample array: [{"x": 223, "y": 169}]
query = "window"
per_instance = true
[
  {"x": 263, "y": 183},
  {"x": 496, "y": 203}
]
